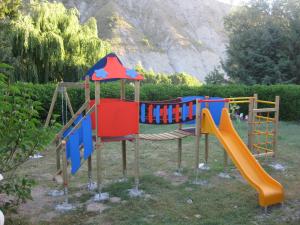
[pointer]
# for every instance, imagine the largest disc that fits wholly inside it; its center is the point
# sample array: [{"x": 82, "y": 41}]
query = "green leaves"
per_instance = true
[
  {"x": 264, "y": 43},
  {"x": 21, "y": 136},
  {"x": 49, "y": 43}
]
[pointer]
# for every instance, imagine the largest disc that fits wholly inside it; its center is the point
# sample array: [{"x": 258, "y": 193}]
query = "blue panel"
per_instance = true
[
  {"x": 101, "y": 73},
  {"x": 131, "y": 73},
  {"x": 184, "y": 112},
  {"x": 87, "y": 136},
  {"x": 143, "y": 113},
  {"x": 75, "y": 153},
  {"x": 68, "y": 147},
  {"x": 214, "y": 107},
  {"x": 157, "y": 114},
  {"x": 80, "y": 130},
  {"x": 170, "y": 114}
]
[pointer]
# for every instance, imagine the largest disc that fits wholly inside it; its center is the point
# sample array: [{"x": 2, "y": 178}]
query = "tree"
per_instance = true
[
  {"x": 50, "y": 44},
  {"x": 216, "y": 77},
  {"x": 264, "y": 43},
  {"x": 19, "y": 129},
  {"x": 9, "y": 8}
]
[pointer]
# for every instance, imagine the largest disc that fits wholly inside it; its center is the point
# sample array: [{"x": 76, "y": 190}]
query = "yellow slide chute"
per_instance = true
[{"x": 269, "y": 190}]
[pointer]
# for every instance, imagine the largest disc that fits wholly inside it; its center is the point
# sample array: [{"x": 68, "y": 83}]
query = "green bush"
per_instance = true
[{"x": 289, "y": 94}]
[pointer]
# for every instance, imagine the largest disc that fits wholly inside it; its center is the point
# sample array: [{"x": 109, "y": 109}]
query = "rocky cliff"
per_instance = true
[{"x": 166, "y": 36}]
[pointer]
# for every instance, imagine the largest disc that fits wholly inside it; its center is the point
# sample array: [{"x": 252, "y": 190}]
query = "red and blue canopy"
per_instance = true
[{"x": 110, "y": 68}]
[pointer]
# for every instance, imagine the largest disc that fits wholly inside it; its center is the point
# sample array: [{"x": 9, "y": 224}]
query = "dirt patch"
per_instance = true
[{"x": 41, "y": 208}]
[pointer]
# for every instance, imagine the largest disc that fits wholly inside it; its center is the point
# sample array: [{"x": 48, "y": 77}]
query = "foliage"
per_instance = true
[
  {"x": 48, "y": 43},
  {"x": 289, "y": 94},
  {"x": 19, "y": 129},
  {"x": 9, "y": 8},
  {"x": 216, "y": 77},
  {"x": 162, "y": 78},
  {"x": 264, "y": 42}
]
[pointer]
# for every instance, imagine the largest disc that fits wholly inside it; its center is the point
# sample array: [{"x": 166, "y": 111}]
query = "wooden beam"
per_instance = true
[
  {"x": 179, "y": 150},
  {"x": 197, "y": 133},
  {"x": 124, "y": 157},
  {"x": 206, "y": 134},
  {"x": 137, "y": 142},
  {"x": 275, "y": 140},
  {"x": 98, "y": 140},
  {"x": 87, "y": 94},
  {"x": 65, "y": 171},
  {"x": 54, "y": 98},
  {"x": 68, "y": 101},
  {"x": 264, "y": 110},
  {"x": 250, "y": 124},
  {"x": 71, "y": 84}
]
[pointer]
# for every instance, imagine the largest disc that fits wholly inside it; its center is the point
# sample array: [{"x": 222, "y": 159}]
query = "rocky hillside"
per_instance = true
[{"x": 166, "y": 36}]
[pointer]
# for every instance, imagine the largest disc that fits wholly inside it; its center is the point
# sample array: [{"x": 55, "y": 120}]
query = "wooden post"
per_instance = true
[
  {"x": 54, "y": 97},
  {"x": 87, "y": 92},
  {"x": 206, "y": 135},
  {"x": 136, "y": 146},
  {"x": 58, "y": 154},
  {"x": 65, "y": 171},
  {"x": 226, "y": 105},
  {"x": 250, "y": 124},
  {"x": 276, "y": 117},
  {"x": 179, "y": 150},
  {"x": 124, "y": 158},
  {"x": 98, "y": 140},
  {"x": 68, "y": 101},
  {"x": 197, "y": 133}
]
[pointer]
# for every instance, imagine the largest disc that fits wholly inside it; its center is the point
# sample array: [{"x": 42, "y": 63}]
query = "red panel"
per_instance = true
[
  {"x": 165, "y": 114},
  {"x": 117, "y": 118},
  {"x": 191, "y": 110},
  {"x": 150, "y": 113},
  {"x": 177, "y": 113}
]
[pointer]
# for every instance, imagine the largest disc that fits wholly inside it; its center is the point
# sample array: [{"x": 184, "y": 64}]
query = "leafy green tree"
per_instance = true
[
  {"x": 50, "y": 44},
  {"x": 162, "y": 78},
  {"x": 9, "y": 8},
  {"x": 19, "y": 128},
  {"x": 264, "y": 42},
  {"x": 216, "y": 77}
]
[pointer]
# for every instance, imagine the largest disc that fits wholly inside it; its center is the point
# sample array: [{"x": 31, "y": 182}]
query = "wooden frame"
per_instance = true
[{"x": 61, "y": 87}]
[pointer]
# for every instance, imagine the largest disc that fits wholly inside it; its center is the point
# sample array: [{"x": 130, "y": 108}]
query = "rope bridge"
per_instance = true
[{"x": 167, "y": 112}]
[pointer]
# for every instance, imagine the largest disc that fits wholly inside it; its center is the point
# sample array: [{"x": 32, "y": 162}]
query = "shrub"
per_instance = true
[{"x": 289, "y": 94}]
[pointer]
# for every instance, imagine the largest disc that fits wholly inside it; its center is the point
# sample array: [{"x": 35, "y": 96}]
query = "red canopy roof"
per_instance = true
[{"x": 110, "y": 68}]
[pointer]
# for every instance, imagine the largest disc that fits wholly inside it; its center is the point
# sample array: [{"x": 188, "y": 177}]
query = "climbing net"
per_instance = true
[{"x": 264, "y": 131}]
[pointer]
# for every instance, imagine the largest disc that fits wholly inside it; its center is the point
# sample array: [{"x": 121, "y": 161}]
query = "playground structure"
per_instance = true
[{"x": 118, "y": 120}]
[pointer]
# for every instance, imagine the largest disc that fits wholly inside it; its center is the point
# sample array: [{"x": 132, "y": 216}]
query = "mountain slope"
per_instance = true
[{"x": 166, "y": 36}]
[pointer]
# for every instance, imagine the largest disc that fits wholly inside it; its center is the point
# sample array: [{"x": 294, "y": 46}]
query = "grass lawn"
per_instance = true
[{"x": 169, "y": 199}]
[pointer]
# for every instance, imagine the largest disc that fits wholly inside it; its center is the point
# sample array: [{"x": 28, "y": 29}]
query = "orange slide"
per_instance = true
[{"x": 270, "y": 191}]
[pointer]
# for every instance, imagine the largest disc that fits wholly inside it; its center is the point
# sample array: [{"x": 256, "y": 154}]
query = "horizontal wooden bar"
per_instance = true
[
  {"x": 240, "y": 98},
  {"x": 265, "y": 118},
  {"x": 72, "y": 84},
  {"x": 263, "y": 154},
  {"x": 266, "y": 102},
  {"x": 238, "y": 102},
  {"x": 265, "y": 110},
  {"x": 213, "y": 100},
  {"x": 265, "y": 149}
]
